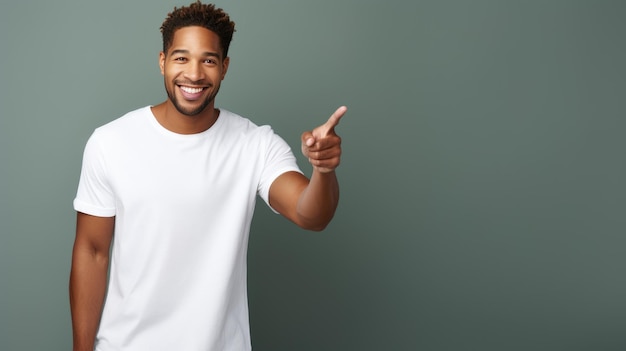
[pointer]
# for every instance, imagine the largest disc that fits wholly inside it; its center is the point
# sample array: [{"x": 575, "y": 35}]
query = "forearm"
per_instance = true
[
  {"x": 87, "y": 289},
  {"x": 311, "y": 203},
  {"x": 318, "y": 201}
]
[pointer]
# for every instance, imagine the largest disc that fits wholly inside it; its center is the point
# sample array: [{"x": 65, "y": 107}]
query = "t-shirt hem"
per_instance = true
[
  {"x": 89, "y": 209},
  {"x": 278, "y": 173}
]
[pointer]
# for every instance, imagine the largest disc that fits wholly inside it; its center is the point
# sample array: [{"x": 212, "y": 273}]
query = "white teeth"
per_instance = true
[{"x": 191, "y": 90}]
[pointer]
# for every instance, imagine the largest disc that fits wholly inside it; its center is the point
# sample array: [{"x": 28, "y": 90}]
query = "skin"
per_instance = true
[{"x": 195, "y": 60}]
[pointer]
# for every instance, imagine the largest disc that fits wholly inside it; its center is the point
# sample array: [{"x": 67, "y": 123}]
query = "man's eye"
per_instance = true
[
  {"x": 210, "y": 61},
  {"x": 181, "y": 59}
]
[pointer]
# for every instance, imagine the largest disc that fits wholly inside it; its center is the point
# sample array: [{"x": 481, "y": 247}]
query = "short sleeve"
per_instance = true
[
  {"x": 94, "y": 196},
  {"x": 279, "y": 159}
]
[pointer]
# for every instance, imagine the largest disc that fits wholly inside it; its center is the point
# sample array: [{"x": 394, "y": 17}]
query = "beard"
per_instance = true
[{"x": 191, "y": 111}]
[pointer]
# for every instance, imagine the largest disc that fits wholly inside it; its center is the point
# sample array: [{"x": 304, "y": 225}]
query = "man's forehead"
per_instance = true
[{"x": 196, "y": 39}]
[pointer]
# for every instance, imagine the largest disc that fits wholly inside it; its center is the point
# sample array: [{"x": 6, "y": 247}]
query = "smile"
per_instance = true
[{"x": 191, "y": 90}]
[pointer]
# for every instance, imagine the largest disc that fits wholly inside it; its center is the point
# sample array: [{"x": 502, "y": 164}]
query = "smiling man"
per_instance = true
[{"x": 175, "y": 184}]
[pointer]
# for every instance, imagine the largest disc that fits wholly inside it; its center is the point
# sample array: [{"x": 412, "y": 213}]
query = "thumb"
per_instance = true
[{"x": 308, "y": 139}]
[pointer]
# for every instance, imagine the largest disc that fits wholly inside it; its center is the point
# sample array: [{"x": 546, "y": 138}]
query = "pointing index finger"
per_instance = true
[{"x": 333, "y": 121}]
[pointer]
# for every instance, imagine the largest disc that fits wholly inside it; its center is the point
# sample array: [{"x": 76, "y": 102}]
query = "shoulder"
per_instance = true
[
  {"x": 234, "y": 121},
  {"x": 128, "y": 123},
  {"x": 240, "y": 124},
  {"x": 118, "y": 133},
  {"x": 127, "y": 120}
]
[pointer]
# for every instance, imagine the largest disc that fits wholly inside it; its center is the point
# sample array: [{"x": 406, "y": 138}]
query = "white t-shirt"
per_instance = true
[{"x": 183, "y": 205}]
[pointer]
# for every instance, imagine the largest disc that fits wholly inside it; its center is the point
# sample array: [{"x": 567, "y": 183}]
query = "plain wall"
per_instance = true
[{"x": 482, "y": 184}]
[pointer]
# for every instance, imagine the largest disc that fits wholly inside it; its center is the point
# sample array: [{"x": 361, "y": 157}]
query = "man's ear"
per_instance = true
[
  {"x": 162, "y": 62},
  {"x": 225, "y": 67}
]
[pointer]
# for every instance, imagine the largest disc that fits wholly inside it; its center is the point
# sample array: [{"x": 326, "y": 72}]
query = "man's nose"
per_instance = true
[{"x": 194, "y": 71}]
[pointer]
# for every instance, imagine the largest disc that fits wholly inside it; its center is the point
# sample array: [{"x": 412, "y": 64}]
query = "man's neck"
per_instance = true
[{"x": 171, "y": 119}]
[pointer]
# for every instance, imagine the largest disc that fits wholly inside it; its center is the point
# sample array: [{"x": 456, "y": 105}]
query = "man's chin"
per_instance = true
[{"x": 191, "y": 111}]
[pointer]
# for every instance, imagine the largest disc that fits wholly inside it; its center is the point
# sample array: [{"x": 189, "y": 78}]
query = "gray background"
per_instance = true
[{"x": 482, "y": 180}]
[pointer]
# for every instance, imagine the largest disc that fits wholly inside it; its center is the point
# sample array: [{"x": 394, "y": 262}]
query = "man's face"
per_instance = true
[{"x": 193, "y": 69}]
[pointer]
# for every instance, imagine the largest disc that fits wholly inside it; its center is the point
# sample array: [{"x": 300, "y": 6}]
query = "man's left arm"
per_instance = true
[{"x": 311, "y": 203}]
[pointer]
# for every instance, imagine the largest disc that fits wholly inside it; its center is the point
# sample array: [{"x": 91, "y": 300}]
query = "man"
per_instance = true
[{"x": 175, "y": 186}]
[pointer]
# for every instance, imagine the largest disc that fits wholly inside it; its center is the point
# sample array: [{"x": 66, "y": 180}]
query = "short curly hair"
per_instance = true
[{"x": 202, "y": 15}]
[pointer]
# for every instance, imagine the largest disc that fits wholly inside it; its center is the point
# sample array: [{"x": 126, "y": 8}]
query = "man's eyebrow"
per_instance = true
[{"x": 186, "y": 52}]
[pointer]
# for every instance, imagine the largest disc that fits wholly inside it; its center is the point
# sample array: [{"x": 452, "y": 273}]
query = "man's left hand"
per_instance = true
[{"x": 322, "y": 146}]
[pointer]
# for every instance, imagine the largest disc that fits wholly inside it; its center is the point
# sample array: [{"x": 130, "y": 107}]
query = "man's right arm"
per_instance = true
[{"x": 88, "y": 277}]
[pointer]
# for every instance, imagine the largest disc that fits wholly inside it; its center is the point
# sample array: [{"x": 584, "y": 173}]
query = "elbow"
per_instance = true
[
  {"x": 315, "y": 218},
  {"x": 314, "y": 225},
  {"x": 318, "y": 228}
]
